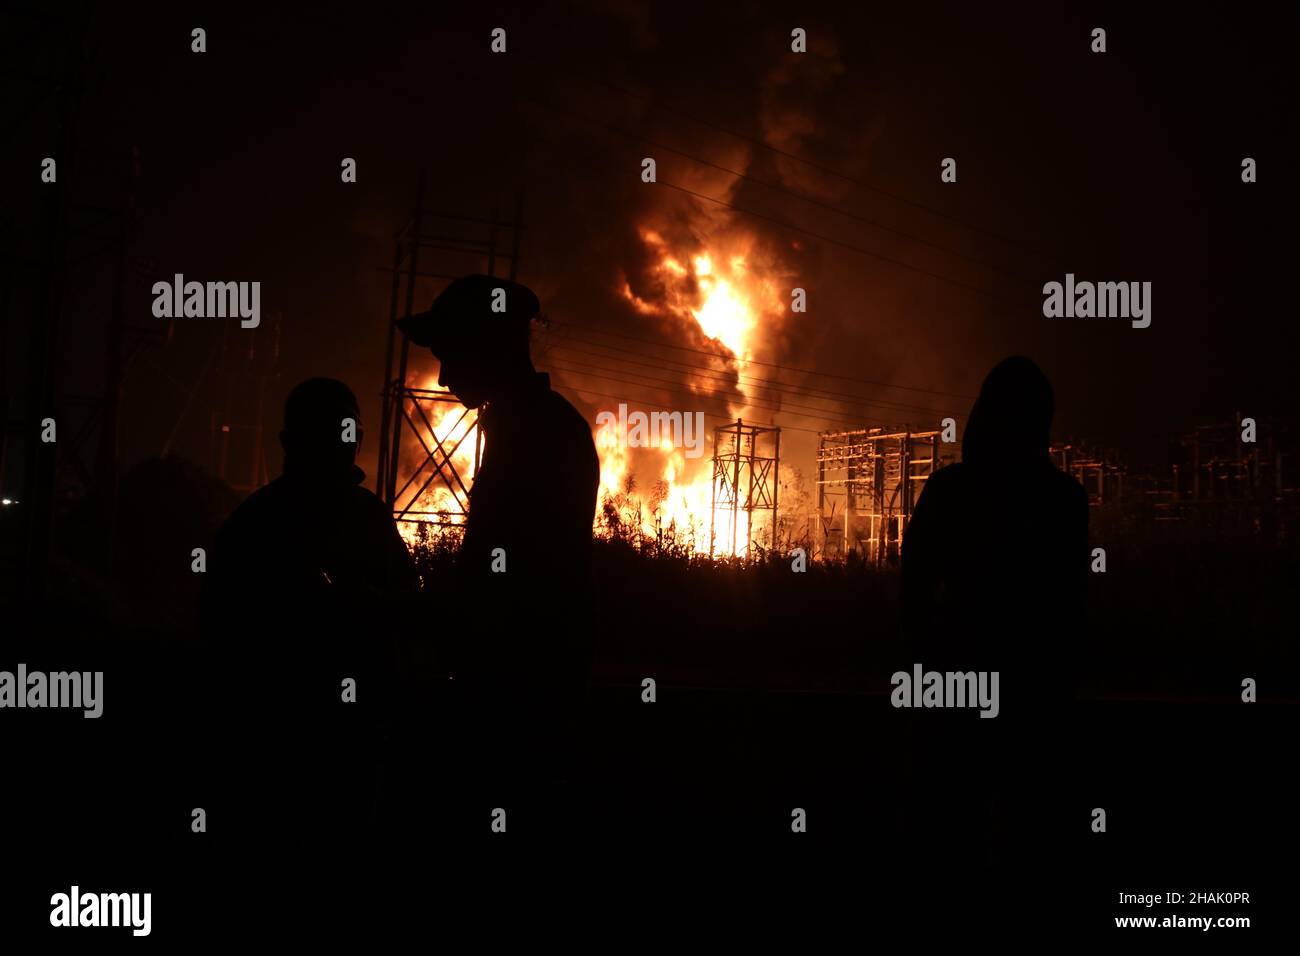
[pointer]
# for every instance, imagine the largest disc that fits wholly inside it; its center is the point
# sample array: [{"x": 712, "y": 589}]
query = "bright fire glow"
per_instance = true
[
  {"x": 720, "y": 293},
  {"x": 721, "y": 296},
  {"x": 450, "y": 425},
  {"x": 725, "y": 316}
]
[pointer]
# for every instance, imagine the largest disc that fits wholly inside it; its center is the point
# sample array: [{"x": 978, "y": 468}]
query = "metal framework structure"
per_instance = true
[
  {"x": 868, "y": 481},
  {"x": 1099, "y": 471},
  {"x": 746, "y": 476},
  {"x": 1218, "y": 466},
  {"x": 1221, "y": 475},
  {"x": 1215, "y": 474},
  {"x": 417, "y": 476}
]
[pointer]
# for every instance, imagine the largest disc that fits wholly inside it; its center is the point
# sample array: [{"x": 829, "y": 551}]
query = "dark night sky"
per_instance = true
[{"x": 1122, "y": 166}]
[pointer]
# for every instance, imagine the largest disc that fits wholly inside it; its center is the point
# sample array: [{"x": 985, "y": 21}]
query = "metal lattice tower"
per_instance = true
[
  {"x": 746, "y": 472},
  {"x": 424, "y": 484}
]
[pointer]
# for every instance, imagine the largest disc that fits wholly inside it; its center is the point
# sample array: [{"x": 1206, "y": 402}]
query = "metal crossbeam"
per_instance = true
[{"x": 414, "y": 463}]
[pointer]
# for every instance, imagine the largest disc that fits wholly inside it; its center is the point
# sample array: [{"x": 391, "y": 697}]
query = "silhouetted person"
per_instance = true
[
  {"x": 300, "y": 595},
  {"x": 994, "y": 575},
  {"x": 521, "y": 654}
]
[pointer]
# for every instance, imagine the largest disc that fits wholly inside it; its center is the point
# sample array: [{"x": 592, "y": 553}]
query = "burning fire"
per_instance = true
[
  {"x": 457, "y": 432},
  {"x": 719, "y": 293},
  {"x": 715, "y": 293}
]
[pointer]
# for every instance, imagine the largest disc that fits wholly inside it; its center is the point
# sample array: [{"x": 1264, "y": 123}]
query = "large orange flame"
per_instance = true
[
  {"x": 712, "y": 292},
  {"x": 451, "y": 428}
]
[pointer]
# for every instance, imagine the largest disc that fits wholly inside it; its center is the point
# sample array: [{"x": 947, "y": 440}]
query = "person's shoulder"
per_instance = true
[
  {"x": 259, "y": 503},
  {"x": 551, "y": 402},
  {"x": 253, "y": 519},
  {"x": 560, "y": 413},
  {"x": 944, "y": 488},
  {"x": 1067, "y": 494},
  {"x": 948, "y": 476},
  {"x": 367, "y": 502},
  {"x": 1067, "y": 486}
]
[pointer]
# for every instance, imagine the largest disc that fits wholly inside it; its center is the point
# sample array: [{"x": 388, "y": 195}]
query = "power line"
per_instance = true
[
  {"x": 835, "y": 242},
  {"x": 731, "y": 358},
  {"x": 808, "y": 232},
  {"x": 740, "y": 380},
  {"x": 774, "y": 384},
  {"x": 676, "y": 388},
  {"x": 655, "y": 104},
  {"x": 983, "y": 263},
  {"x": 824, "y": 238},
  {"x": 650, "y": 404},
  {"x": 821, "y": 237},
  {"x": 799, "y": 229}
]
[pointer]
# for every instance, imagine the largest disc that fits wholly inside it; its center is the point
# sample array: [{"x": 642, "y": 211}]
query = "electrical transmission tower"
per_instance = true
[
  {"x": 746, "y": 470},
  {"x": 429, "y": 446}
]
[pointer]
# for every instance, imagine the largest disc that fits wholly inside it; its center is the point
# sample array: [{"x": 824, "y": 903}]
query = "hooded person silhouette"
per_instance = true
[
  {"x": 520, "y": 654},
  {"x": 298, "y": 583},
  {"x": 994, "y": 578}
]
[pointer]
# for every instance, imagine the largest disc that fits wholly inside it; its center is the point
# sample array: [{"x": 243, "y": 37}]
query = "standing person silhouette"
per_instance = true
[
  {"x": 994, "y": 576},
  {"x": 521, "y": 655},
  {"x": 314, "y": 527},
  {"x": 302, "y": 579}
]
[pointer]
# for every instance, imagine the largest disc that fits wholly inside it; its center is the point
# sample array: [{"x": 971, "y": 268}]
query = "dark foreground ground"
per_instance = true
[
  {"x": 772, "y": 695},
  {"x": 681, "y": 807}
]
